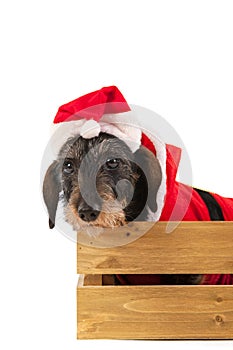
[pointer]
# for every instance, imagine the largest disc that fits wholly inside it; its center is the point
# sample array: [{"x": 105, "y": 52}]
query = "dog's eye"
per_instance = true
[
  {"x": 68, "y": 167},
  {"x": 112, "y": 163}
]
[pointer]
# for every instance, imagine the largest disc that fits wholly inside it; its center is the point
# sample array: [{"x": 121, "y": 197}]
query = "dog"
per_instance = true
[
  {"x": 111, "y": 171},
  {"x": 110, "y": 161}
]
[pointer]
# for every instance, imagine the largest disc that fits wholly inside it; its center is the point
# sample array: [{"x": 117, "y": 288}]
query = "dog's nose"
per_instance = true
[{"x": 88, "y": 214}]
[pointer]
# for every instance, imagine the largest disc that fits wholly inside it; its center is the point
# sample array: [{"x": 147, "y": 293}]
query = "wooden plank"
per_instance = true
[
  {"x": 155, "y": 312},
  {"x": 193, "y": 247}
]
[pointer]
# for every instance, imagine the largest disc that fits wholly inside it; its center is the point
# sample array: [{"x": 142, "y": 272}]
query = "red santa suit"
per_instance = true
[{"x": 188, "y": 201}]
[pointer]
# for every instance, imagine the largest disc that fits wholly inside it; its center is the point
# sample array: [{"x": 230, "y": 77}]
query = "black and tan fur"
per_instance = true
[
  {"x": 104, "y": 184},
  {"x": 116, "y": 195}
]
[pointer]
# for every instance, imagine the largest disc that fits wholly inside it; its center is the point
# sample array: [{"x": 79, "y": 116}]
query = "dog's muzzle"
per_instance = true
[{"x": 86, "y": 213}]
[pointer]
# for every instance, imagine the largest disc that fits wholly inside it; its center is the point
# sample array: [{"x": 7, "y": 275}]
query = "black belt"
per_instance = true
[{"x": 213, "y": 207}]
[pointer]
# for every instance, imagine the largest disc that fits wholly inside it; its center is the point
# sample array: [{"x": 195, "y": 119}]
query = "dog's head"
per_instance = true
[{"x": 103, "y": 182}]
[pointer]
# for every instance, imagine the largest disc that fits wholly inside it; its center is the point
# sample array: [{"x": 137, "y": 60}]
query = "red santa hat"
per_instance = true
[{"x": 106, "y": 110}]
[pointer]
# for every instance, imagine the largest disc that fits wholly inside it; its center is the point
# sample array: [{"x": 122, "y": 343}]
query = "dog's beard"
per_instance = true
[{"x": 111, "y": 215}]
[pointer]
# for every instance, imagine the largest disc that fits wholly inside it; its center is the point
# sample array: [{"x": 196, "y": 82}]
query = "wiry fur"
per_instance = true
[
  {"x": 119, "y": 195},
  {"x": 92, "y": 184}
]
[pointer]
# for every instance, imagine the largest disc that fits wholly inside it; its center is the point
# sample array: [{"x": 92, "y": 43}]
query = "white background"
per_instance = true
[{"x": 174, "y": 57}]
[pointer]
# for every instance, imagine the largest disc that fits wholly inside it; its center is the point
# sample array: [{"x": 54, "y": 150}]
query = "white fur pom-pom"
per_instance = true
[{"x": 90, "y": 129}]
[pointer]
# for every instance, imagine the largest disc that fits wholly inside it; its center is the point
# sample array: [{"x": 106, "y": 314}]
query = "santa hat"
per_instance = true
[{"x": 106, "y": 110}]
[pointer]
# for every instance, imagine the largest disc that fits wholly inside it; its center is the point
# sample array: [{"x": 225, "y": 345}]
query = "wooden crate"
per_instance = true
[{"x": 158, "y": 312}]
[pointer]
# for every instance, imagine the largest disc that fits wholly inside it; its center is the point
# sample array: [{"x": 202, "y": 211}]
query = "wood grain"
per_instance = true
[
  {"x": 91, "y": 280},
  {"x": 193, "y": 247},
  {"x": 155, "y": 312}
]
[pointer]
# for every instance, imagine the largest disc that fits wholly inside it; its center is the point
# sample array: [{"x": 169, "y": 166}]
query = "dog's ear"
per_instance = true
[
  {"x": 150, "y": 166},
  {"x": 51, "y": 189}
]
